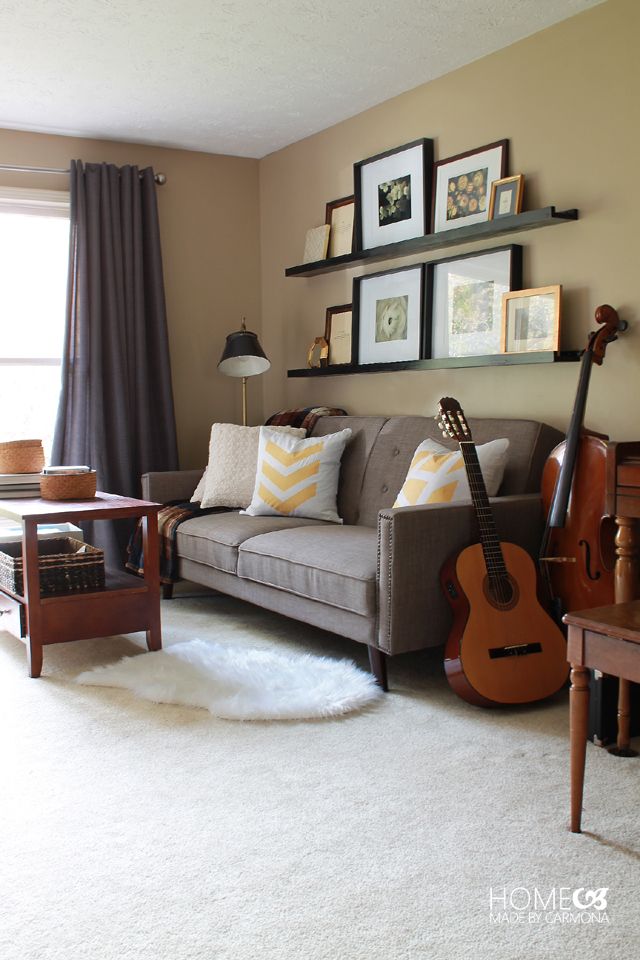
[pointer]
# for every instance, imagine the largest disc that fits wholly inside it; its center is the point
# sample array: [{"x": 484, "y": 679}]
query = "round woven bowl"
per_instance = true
[
  {"x": 21, "y": 456},
  {"x": 68, "y": 486}
]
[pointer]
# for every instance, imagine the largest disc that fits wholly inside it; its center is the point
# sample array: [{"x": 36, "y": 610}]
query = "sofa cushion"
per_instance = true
[
  {"x": 334, "y": 565},
  {"x": 298, "y": 477},
  {"x": 439, "y": 475},
  {"x": 214, "y": 539}
]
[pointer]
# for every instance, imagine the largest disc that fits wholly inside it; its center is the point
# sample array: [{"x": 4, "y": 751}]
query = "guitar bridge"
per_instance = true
[{"x": 517, "y": 650}]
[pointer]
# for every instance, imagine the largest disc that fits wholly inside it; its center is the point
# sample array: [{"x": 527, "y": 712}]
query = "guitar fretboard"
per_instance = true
[{"x": 491, "y": 548}]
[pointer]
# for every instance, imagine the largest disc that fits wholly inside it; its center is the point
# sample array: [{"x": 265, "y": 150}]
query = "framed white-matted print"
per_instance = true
[
  {"x": 531, "y": 320},
  {"x": 392, "y": 194},
  {"x": 388, "y": 312},
  {"x": 462, "y": 185},
  {"x": 467, "y": 292}
]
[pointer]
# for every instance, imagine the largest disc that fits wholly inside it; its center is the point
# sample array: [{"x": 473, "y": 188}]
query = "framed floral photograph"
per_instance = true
[
  {"x": 392, "y": 194},
  {"x": 531, "y": 320},
  {"x": 338, "y": 333},
  {"x": 340, "y": 219},
  {"x": 388, "y": 312},
  {"x": 506, "y": 197},
  {"x": 467, "y": 298},
  {"x": 462, "y": 183}
]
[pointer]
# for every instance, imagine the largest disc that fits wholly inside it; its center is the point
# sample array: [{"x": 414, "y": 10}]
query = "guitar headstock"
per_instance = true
[{"x": 452, "y": 421}]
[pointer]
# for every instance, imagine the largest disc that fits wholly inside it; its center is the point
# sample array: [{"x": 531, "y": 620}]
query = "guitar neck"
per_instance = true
[{"x": 491, "y": 548}]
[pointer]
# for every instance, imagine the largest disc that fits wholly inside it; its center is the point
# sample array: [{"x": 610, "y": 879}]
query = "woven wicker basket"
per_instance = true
[
  {"x": 21, "y": 456},
  {"x": 66, "y": 566},
  {"x": 68, "y": 486}
]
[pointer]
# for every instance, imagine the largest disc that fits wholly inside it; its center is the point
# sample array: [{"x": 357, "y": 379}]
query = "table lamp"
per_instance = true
[{"x": 243, "y": 357}]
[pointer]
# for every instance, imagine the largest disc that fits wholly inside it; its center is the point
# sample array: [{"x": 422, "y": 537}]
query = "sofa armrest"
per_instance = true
[
  {"x": 170, "y": 485},
  {"x": 413, "y": 545}
]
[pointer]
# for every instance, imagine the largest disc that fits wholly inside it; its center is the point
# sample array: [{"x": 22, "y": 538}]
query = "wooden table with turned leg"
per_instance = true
[{"x": 126, "y": 605}]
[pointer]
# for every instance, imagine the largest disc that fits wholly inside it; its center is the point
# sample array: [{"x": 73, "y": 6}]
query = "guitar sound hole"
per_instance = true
[{"x": 501, "y": 592}]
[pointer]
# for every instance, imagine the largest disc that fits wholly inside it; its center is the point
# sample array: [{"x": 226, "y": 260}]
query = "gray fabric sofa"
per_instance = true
[{"x": 375, "y": 578}]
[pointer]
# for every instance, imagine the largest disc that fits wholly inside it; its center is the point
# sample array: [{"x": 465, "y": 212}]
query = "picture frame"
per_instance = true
[
  {"x": 338, "y": 332},
  {"x": 461, "y": 185},
  {"x": 340, "y": 217},
  {"x": 506, "y": 197},
  {"x": 392, "y": 193},
  {"x": 466, "y": 301},
  {"x": 531, "y": 320},
  {"x": 388, "y": 316}
]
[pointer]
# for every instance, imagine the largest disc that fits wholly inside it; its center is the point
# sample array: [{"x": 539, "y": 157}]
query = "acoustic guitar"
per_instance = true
[{"x": 503, "y": 648}]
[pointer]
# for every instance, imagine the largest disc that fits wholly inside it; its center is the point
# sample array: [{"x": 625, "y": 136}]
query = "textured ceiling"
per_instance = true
[{"x": 242, "y": 77}]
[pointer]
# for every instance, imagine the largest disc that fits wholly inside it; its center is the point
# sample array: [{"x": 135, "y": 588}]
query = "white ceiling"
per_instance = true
[{"x": 242, "y": 77}]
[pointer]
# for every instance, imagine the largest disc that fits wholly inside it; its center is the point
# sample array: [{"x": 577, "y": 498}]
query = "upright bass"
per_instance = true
[{"x": 577, "y": 554}]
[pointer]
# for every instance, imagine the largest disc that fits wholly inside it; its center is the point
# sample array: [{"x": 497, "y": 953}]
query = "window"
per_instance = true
[{"x": 34, "y": 252}]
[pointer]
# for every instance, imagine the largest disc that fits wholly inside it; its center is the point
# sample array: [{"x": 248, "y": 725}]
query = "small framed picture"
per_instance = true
[
  {"x": 466, "y": 303},
  {"x": 392, "y": 193},
  {"x": 338, "y": 333},
  {"x": 461, "y": 185},
  {"x": 340, "y": 219},
  {"x": 388, "y": 310},
  {"x": 531, "y": 320},
  {"x": 506, "y": 197}
]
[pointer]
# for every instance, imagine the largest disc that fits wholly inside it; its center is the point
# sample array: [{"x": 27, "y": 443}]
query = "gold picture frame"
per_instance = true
[
  {"x": 338, "y": 333},
  {"x": 531, "y": 320},
  {"x": 506, "y": 197}
]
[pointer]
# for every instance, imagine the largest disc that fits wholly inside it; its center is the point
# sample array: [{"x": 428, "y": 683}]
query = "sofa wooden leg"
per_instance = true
[
  {"x": 167, "y": 591},
  {"x": 378, "y": 664}
]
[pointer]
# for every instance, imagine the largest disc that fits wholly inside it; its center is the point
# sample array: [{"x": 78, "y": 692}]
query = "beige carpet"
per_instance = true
[{"x": 131, "y": 830}]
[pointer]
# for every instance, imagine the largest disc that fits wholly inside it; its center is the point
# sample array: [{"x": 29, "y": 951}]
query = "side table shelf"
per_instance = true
[{"x": 128, "y": 604}]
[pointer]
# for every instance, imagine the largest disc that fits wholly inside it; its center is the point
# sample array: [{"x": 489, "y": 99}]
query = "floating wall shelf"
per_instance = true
[
  {"x": 530, "y": 220},
  {"x": 492, "y": 360}
]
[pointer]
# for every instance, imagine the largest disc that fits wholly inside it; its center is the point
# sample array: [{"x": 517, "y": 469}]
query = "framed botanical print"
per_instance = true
[
  {"x": 466, "y": 302},
  {"x": 392, "y": 194},
  {"x": 388, "y": 311},
  {"x": 462, "y": 183}
]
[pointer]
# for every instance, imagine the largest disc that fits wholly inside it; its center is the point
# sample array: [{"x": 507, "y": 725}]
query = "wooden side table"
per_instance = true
[
  {"x": 126, "y": 605},
  {"x": 606, "y": 639}
]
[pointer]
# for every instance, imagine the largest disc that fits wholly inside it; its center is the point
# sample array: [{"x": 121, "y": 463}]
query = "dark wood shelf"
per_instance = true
[
  {"x": 530, "y": 220},
  {"x": 490, "y": 360}
]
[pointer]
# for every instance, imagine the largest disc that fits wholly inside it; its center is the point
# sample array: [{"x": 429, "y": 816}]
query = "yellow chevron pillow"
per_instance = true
[
  {"x": 298, "y": 478},
  {"x": 438, "y": 475}
]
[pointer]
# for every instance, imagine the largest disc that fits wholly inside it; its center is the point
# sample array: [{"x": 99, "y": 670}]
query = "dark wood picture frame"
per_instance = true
[
  {"x": 357, "y": 319},
  {"x": 440, "y": 165},
  {"x": 515, "y": 283},
  {"x": 426, "y": 169},
  {"x": 335, "y": 205},
  {"x": 331, "y": 312},
  {"x": 513, "y": 185}
]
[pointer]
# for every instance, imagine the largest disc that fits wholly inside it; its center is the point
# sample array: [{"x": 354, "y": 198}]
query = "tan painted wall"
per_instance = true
[
  {"x": 210, "y": 239},
  {"x": 567, "y": 99}
]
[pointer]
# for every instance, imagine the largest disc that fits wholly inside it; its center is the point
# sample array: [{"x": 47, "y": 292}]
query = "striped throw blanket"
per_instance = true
[{"x": 176, "y": 512}]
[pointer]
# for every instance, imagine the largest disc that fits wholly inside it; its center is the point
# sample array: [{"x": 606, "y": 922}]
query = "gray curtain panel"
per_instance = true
[{"x": 116, "y": 409}]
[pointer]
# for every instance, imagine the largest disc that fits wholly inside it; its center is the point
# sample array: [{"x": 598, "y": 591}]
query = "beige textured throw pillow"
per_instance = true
[
  {"x": 230, "y": 476},
  {"x": 438, "y": 475},
  {"x": 298, "y": 478}
]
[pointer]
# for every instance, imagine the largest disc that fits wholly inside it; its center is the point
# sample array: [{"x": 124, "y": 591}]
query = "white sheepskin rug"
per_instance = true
[{"x": 241, "y": 683}]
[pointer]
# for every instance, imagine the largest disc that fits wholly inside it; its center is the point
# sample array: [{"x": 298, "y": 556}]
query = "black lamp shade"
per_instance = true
[{"x": 243, "y": 356}]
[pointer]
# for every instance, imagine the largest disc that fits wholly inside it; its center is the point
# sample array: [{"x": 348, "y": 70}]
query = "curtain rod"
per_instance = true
[{"x": 159, "y": 178}]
